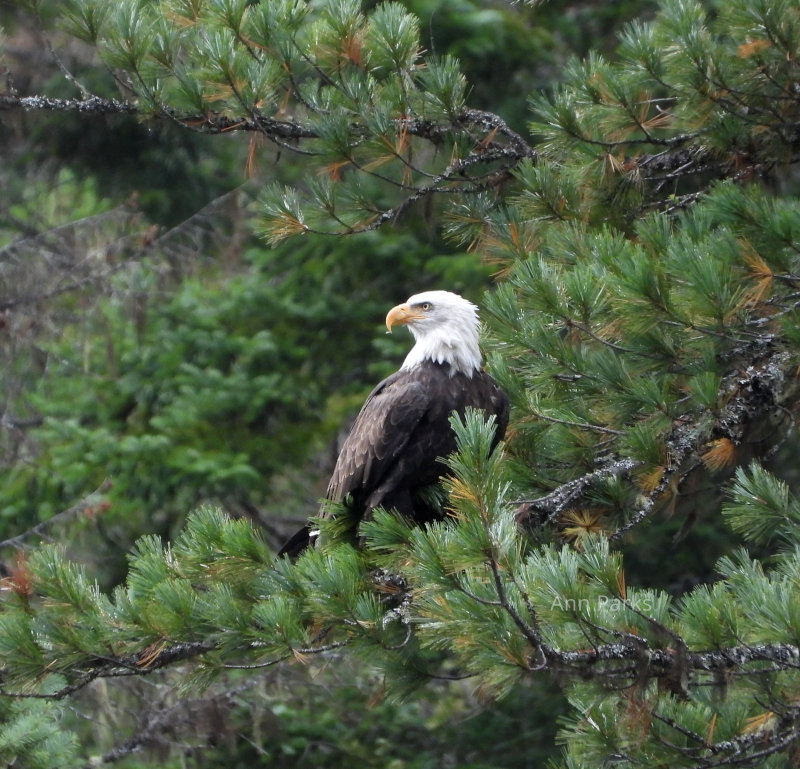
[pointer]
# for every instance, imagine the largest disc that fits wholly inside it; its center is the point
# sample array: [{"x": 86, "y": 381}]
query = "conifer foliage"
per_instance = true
[{"x": 645, "y": 323}]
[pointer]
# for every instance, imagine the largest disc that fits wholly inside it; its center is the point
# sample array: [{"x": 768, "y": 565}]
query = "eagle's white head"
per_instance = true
[{"x": 445, "y": 327}]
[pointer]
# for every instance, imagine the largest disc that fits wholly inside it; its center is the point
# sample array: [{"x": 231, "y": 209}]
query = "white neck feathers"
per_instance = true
[{"x": 450, "y": 336}]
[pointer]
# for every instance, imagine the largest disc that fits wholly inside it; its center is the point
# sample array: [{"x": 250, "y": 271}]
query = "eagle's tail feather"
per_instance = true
[{"x": 297, "y": 542}]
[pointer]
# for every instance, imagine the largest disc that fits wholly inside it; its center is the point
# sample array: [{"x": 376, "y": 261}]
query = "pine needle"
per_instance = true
[
  {"x": 581, "y": 524},
  {"x": 752, "y": 47},
  {"x": 762, "y": 275},
  {"x": 649, "y": 480},
  {"x": 760, "y": 723},
  {"x": 712, "y": 725},
  {"x": 721, "y": 454},
  {"x": 151, "y": 653}
]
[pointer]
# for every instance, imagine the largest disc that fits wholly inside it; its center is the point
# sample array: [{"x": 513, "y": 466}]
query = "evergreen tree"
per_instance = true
[{"x": 645, "y": 325}]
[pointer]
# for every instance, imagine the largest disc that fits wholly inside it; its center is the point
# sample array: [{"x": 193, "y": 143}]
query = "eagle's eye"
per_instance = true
[{"x": 425, "y": 306}]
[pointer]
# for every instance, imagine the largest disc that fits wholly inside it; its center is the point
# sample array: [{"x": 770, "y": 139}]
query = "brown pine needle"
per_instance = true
[
  {"x": 760, "y": 723},
  {"x": 649, "y": 480},
  {"x": 752, "y": 47},
  {"x": 151, "y": 654},
  {"x": 712, "y": 726},
  {"x": 581, "y": 523},
  {"x": 721, "y": 454}
]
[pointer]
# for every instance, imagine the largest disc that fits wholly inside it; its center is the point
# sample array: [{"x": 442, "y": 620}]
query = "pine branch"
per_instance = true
[
  {"x": 750, "y": 395},
  {"x": 735, "y": 752},
  {"x": 548, "y": 507},
  {"x": 514, "y": 147},
  {"x": 669, "y": 663},
  {"x": 93, "y": 105},
  {"x": 139, "y": 663},
  {"x": 632, "y": 658},
  {"x": 118, "y": 667},
  {"x": 755, "y": 392},
  {"x": 492, "y": 125},
  {"x": 454, "y": 171}
]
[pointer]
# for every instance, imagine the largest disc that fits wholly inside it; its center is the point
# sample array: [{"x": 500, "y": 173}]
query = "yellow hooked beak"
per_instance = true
[{"x": 401, "y": 316}]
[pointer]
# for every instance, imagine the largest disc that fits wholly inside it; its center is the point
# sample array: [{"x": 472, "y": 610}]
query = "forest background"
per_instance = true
[{"x": 165, "y": 348}]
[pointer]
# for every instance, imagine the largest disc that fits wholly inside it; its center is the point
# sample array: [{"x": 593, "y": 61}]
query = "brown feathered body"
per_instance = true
[
  {"x": 402, "y": 433},
  {"x": 395, "y": 448}
]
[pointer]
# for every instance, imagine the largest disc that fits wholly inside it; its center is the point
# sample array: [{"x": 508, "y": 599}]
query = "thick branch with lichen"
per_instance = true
[{"x": 752, "y": 393}]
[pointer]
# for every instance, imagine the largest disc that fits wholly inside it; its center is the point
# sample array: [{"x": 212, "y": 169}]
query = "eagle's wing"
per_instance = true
[{"x": 380, "y": 432}]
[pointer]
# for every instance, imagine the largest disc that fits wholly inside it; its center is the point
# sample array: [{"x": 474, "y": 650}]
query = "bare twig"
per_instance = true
[{"x": 89, "y": 502}]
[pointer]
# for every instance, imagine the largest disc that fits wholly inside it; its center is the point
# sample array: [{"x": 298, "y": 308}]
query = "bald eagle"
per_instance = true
[{"x": 395, "y": 448}]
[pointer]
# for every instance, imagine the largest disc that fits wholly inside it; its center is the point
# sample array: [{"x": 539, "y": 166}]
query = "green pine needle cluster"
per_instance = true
[
  {"x": 468, "y": 597},
  {"x": 632, "y": 347}
]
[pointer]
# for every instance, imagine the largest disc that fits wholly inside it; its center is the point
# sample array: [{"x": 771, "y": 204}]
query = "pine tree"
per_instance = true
[{"x": 645, "y": 325}]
